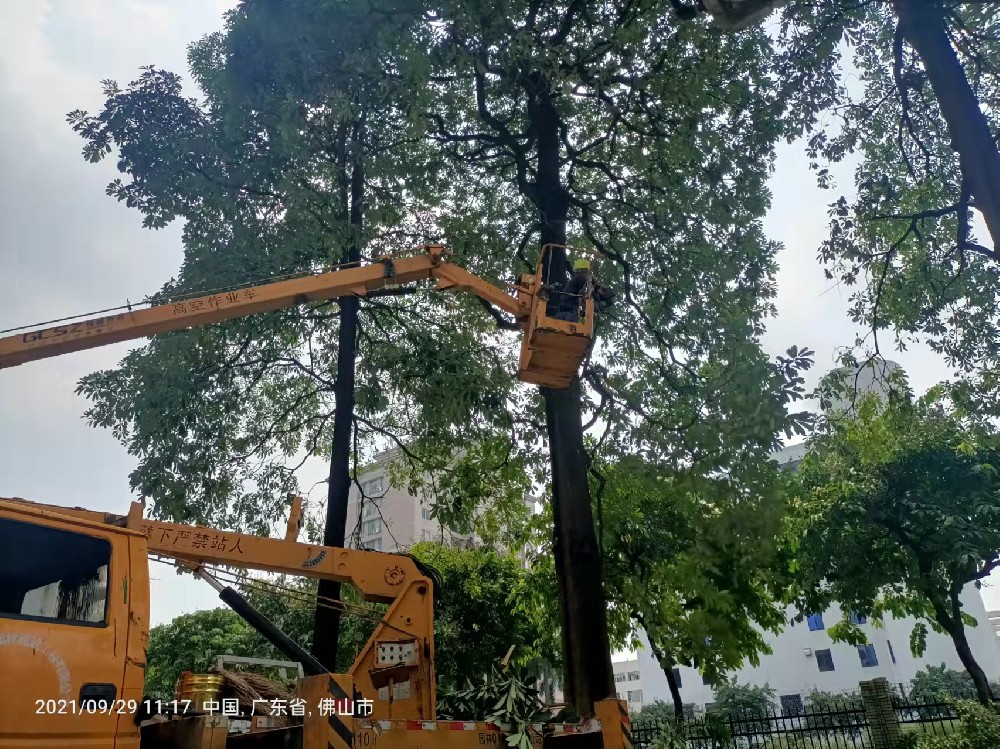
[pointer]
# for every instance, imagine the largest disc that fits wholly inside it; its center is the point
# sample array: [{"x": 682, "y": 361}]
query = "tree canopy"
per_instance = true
[
  {"x": 497, "y": 130},
  {"x": 897, "y": 513},
  {"x": 695, "y": 563}
]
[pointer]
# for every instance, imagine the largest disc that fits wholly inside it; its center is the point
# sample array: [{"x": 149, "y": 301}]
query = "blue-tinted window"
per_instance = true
[
  {"x": 867, "y": 655},
  {"x": 824, "y": 659},
  {"x": 816, "y": 622},
  {"x": 857, "y": 618}
]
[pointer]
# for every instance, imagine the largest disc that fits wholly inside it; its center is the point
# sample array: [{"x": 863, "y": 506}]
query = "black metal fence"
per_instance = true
[
  {"x": 838, "y": 727},
  {"x": 935, "y": 718},
  {"x": 841, "y": 726}
]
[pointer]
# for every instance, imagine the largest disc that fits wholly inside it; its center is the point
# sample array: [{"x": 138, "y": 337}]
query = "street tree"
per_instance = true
[
  {"x": 622, "y": 130},
  {"x": 284, "y": 168},
  {"x": 696, "y": 563},
  {"x": 906, "y": 92},
  {"x": 897, "y": 514},
  {"x": 545, "y": 126}
]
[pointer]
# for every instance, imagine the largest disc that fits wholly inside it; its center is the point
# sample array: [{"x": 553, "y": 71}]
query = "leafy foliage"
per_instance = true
[
  {"x": 656, "y": 712},
  {"x": 693, "y": 561},
  {"x": 979, "y": 729},
  {"x": 898, "y": 513},
  {"x": 829, "y": 703},
  {"x": 904, "y": 234},
  {"x": 741, "y": 702},
  {"x": 488, "y": 603},
  {"x": 191, "y": 642},
  {"x": 504, "y": 695},
  {"x": 710, "y": 731},
  {"x": 940, "y": 683}
]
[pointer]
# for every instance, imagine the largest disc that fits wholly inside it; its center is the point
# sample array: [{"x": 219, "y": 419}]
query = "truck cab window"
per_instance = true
[{"x": 51, "y": 574}]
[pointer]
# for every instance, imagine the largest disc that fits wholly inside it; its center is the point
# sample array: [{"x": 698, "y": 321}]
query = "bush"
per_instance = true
[
  {"x": 710, "y": 732},
  {"x": 742, "y": 703},
  {"x": 979, "y": 729},
  {"x": 940, "y": 683},
  {"x": 658, "y": 712},
  {"x": 827, "y": 702}
]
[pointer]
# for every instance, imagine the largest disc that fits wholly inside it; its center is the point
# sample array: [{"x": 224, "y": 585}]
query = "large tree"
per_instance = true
[
  {"x": 897, "y": 514},
  {"x": 286, "y": 167},
  {"x": 616, "y": 128},
  {"x": 907, "y": 92},
  {"x": 549, "y": 124}
]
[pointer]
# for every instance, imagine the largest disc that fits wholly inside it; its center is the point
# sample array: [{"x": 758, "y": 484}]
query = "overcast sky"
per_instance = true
[{"x": 67, "y": 248}]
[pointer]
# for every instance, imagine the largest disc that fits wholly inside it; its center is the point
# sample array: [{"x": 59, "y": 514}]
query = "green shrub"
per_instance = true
[
  {"x": 827, "y": 702},
  {"x": 979, "y": 729},
  {"x": 709, "y": 732},
  {"x": 742, "y": 703}
]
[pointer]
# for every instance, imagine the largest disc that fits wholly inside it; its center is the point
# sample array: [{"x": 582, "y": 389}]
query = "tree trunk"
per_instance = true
[
  {"x": 675, "y": 691},
  {"x": 668, "y": 669},
  {"x": 588, "y": 675},
  {"x": 952, "y": 623},
  {"x": 923, "y": 26},
  {"x": 326, "y": 622},
  {"x": 983, "y": 690}
]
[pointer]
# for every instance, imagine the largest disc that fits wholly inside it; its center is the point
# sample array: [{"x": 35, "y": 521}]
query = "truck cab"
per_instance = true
[{"x": 74, "y": 610}]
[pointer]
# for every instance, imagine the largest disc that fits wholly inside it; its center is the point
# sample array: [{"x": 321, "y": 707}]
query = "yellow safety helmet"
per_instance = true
[{"x": 581, "y": 264}]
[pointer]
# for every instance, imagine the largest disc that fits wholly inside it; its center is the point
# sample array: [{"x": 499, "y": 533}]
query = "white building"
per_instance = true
[
  {"x": 628, "y": 683},
  {"x": 381, "y": 517},
  {"x": 994, "y": 618},
  {"x": 804, "y": 658}
]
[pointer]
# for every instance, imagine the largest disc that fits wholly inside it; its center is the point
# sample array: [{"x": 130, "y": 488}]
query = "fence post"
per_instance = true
[{"x": 881, "y": 715}]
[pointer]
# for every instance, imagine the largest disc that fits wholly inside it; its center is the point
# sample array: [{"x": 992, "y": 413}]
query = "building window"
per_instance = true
[
  {"x": 375, "y": 544},
  {"x": 425, "y": 513},
  {"x": 635, "y": 696},
  {"x": 370, "y": 510},
  {"x": 633, "y": 676},
  {"x": 824, "y": 659},
  {"x": 705, "y": 680},
  {"x": 815, "y": 622},
  {"x": 791, "y": 705},
  {"x": 858, "y": 618},
  {"x": 867, "y": 655},
  {"x": 373, "y": 527},
  {"x": 619, "y": 678},
  {"x": 677, "y": 677},
  {"x": 892, "y": 653},
  {"x": 373, "y": 486},
  {"x": 425, "y": 535}
]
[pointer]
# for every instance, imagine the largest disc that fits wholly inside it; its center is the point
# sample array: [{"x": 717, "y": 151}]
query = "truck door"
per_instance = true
[{"x": 63, "y": 631}]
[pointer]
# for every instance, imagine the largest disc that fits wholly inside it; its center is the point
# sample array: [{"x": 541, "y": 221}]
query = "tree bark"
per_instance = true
[
  {"x": 923, "y": 26},
  {"x": 326, "y": 622},
  {"x": 588, "y": 675},
  {"x": 983, "y": 691},
  {"x": 953, "y": 625},
  {"x": 675, "y": 691},
  {"x": 668, "y": 669}
]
